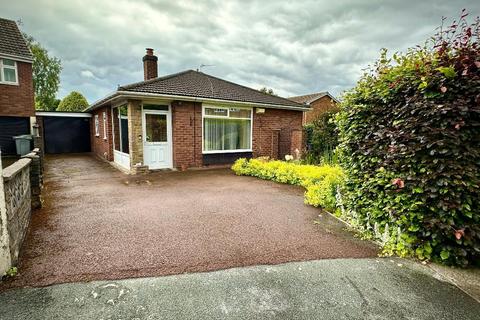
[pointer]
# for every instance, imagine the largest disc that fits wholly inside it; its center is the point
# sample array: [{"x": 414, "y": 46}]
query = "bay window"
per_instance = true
[
  {"x": 227, "y": 129},
  {"x": 8, "y": 71}
]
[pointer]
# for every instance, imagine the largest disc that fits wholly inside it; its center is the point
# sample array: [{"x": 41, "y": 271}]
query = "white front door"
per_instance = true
[{"x": 157, "y": 139}]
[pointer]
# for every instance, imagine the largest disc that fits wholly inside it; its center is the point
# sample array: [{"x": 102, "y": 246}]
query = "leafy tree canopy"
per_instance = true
[
  {"x": 267, "y": 91},
  {"x": 74, "y": 101},
  {"x": 46, "y": 75}
]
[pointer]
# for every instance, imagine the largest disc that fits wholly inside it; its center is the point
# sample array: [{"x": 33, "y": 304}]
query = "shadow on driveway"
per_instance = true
[{"x": 100, "y": 224}]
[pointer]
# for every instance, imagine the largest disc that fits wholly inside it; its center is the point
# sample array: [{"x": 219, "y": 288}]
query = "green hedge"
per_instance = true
[
  {"x": 320, "y": 182},
  {"x": 321, "y": 139},
  {"x": 410, "y": 145}
]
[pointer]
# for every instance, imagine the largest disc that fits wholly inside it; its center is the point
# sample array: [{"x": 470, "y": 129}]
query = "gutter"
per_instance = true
[
  {"x": 16, "y": 58},
  {"x": 130, "y": 94},
  {"x": 63, "y": 114}
]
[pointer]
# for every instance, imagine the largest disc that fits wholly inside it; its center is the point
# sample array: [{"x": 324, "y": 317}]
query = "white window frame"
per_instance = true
[
  {"x": 97, "y": 129},
  {"x": 118, "y": 119},
  {"x": 104, "y": 125},
  {"x": 2, "y": 74},
  {"x": 226, "y": 117}
]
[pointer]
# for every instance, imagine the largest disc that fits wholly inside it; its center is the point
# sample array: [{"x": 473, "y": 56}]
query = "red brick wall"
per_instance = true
[
  {"x": 103, "y": 148},
  {"x": 17, "y": 100},
  {"x": 266, "y": 127},
  {"x": 275, "y": 133},
  {"x": 187, "y": 134},
  {"x": 320, "y": 106}
]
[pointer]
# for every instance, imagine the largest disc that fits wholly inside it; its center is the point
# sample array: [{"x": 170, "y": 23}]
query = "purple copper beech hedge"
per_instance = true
[{"x": 410, "y": 145}]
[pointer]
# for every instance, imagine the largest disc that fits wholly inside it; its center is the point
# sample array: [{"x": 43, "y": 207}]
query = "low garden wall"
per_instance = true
[
  {"x": 17, "y": 204},
  {"x": 20, "y": 192}
]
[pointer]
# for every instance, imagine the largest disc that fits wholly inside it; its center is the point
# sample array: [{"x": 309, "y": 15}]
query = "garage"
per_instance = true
[
  {"x": 10, "y": 127},
  {"x": 65, "y": 132}
]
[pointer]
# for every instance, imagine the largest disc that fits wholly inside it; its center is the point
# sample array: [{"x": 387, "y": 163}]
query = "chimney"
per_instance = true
[{"x": 150, "y": 69}]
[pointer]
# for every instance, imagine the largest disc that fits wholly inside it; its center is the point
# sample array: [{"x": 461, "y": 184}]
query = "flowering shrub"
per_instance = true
[
  {"x": 410, "y": 144},
  {"x": 320, "y": 182}
]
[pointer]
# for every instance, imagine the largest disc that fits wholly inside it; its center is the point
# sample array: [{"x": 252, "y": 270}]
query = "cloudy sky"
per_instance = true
[{"x": 294, "y": 47}]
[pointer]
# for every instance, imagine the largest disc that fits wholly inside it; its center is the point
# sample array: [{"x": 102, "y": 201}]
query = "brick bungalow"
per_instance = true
[
  {"x": 17, "y": 107},
  {"x": 319, "y": 103},
  {"x": 191, "y": 119}
]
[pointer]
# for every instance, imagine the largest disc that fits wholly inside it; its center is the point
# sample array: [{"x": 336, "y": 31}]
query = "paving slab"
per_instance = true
[{"x": 325, "y": 289}]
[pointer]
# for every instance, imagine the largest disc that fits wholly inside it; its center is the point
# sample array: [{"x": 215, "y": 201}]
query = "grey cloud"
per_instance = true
[{"x": 295, "y": 47}]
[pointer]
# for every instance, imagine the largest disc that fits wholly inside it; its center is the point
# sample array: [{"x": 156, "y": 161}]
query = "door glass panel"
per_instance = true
[{"x": 156, "y": 127}]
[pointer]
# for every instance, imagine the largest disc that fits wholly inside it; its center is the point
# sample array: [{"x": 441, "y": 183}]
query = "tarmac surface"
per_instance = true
[
  {"x": 326, "y": 289},
  {"x": 100, "y": 224}
]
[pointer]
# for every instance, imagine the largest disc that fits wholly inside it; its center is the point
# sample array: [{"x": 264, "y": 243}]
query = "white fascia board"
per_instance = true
[
  {"x": 141, "y": 95},
  {"x": 15, "y": 58},
  {"x": 63, "y": 114},
  {"x": 129, "y": 94}
]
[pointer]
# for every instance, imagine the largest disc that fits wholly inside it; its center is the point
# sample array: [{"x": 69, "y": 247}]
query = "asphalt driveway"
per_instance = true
[{"x": 100, "y": 224}]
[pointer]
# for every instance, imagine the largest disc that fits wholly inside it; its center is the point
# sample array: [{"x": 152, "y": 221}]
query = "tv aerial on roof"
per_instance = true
[{"x": 204, "y": 66}]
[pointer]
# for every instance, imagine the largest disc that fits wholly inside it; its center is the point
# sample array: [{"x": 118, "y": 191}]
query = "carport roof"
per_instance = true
[{"x": 201, "y": 86}]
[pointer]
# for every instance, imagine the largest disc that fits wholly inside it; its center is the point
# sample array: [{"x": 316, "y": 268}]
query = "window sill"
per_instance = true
[
  {"x": 9, "y": 83},
  {"x": 227, "y": 151}
]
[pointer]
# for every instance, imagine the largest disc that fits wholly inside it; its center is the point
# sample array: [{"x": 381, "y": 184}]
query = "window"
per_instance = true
[
  {"x": 105, "y": 125},
  {"x": 8, "y": 71},
  {"x": 97, "y": 131},
  {"x": 156, "y": 127},
  {"x": 155, "y": 107},
  {"x": 120, "y": 129},
  {"x": 227, "y": 129}
]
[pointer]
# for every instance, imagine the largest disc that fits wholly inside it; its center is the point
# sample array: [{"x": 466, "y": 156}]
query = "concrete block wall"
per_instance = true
[
  {"x": 36, "y": 177},
  {"x": 18, "y": 209},
  {"x": 5, "y": 258}
]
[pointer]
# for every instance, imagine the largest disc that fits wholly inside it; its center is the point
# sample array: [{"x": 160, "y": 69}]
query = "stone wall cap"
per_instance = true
[
  {"x": 11, "y": 171},
  {"x": 30, "y": 155}
]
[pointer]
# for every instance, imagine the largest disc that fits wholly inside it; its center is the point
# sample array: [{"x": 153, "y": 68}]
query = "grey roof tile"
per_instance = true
[
  {"x": 11, "y": 40},
  {"x": 309, "y": 98},
  {"x": 192, "y": 83}
]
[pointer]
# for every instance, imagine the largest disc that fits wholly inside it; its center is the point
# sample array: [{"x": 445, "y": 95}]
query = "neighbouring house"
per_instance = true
[
  {"x": 191, "y": 119},
  {"x": 17, "y": 107},
  {"x": 319, "y": 103}
]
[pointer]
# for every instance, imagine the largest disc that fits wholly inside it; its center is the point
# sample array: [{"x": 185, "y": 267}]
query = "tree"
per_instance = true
[
  {"x": 267, "y": 91},
  {"x": 46, "y": 75},
  {"x": 74, "y": 101}
]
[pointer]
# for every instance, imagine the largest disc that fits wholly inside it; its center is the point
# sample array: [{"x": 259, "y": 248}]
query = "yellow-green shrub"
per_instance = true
[{"x": 320, "y": 182}]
